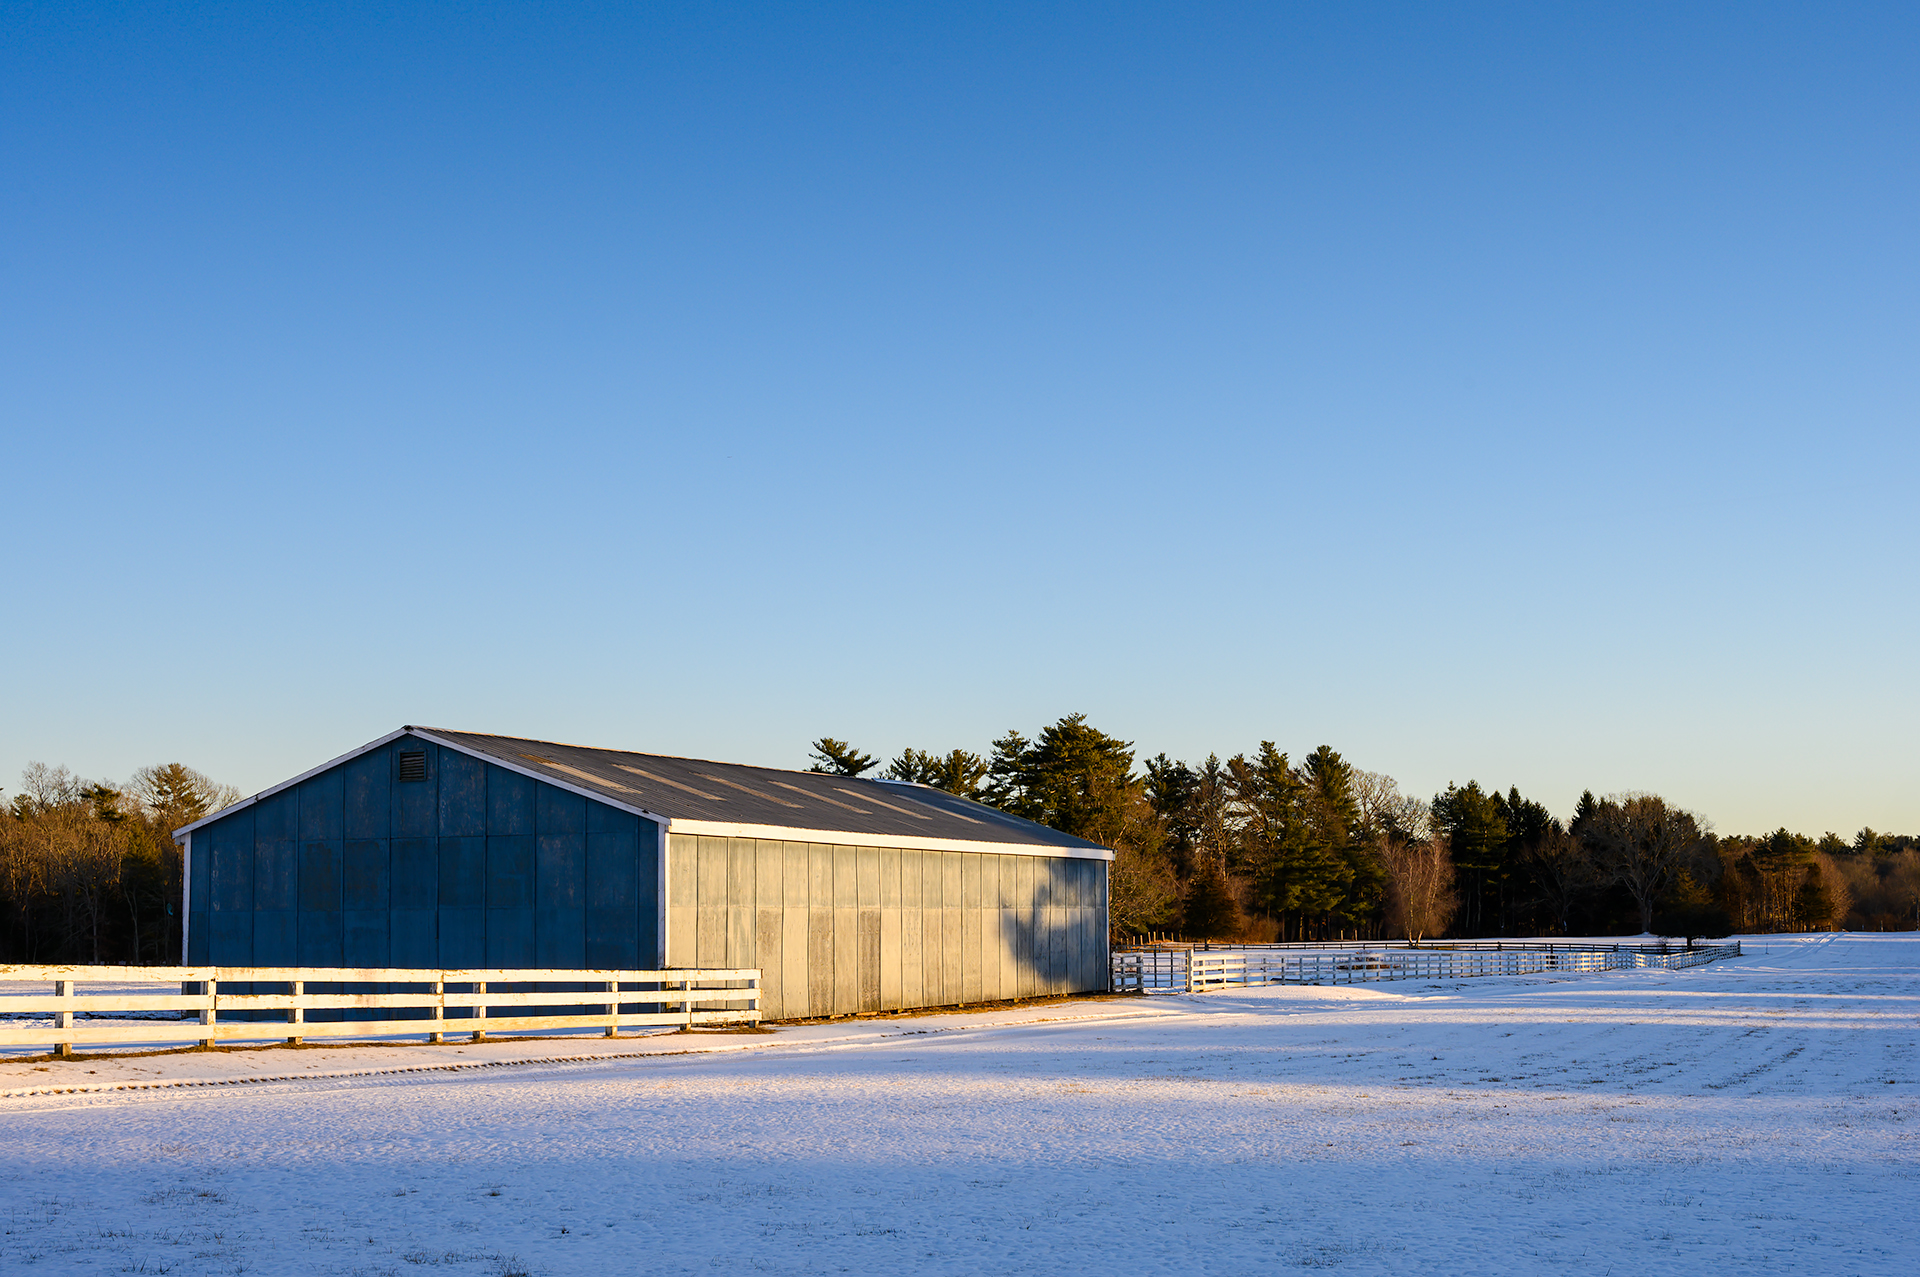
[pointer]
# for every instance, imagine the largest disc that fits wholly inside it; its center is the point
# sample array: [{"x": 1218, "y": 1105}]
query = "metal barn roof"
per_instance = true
[{"x": 697, "y": 796}]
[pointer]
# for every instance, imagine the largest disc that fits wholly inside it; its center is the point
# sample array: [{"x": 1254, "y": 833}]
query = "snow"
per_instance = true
[{"x": 1753, "y": 1116}]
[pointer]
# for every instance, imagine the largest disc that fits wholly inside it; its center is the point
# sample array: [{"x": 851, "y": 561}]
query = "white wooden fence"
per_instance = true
[
  {"x": 55, "y": 1011},
  {"x": 1163, "y": 969}
]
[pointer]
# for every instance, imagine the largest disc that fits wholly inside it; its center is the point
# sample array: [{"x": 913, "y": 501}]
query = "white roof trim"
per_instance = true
[
  {"x": 911, "y": 842},
  {"x": 370, "y": 746}
]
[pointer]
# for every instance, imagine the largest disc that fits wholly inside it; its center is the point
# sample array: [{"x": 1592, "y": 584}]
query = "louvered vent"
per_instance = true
[{"x": 413, "y": 764}]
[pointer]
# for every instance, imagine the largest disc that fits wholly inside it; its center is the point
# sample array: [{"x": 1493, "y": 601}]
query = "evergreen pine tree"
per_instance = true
[
  {"x": 1476, "y": 832},
  {"x": 1583, "y": 812},
  {"x": 1212, "y": 912},
  {"x": 837, "y": 758}
]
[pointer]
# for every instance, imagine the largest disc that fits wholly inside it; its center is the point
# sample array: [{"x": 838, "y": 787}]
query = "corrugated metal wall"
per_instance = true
[
  {"x": 842, "y": 929},
  {"x": 475, "y": 866}
]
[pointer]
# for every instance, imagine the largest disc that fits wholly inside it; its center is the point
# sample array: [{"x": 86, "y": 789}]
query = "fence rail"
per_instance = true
[
  {"x": 1165, "y": 969},
  {"x": 1327, "y": 946},
  {"x": 444, "y": 1001}
]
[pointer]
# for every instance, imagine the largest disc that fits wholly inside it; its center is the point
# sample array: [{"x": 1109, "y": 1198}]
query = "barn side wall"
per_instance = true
[
  {"x": 475, "y": 866},
  {"x": 838, "y": 929}
]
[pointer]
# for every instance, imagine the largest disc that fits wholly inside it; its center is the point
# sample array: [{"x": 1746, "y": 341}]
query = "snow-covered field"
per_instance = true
[{"x": 1758, "y": 1115}]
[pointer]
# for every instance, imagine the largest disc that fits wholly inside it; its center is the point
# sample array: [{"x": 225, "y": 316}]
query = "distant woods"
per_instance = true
[
  {"x": 1260, "y": 846},
  {"x": 1263, "y": 847},
  {"x": 88, "y": 869}
]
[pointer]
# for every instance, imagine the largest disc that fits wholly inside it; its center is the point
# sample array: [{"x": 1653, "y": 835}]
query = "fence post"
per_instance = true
[
  {"x": 296, "y": 1014},
  {"x": 63, "y": 1019},
  {"x": 613, "y": 1009},
  {"x": 480, "y": 1012},
  {"x": 439, "y": 1033},
  {"x": 209, "y": 1016},
  {"x": 686, "y": 988}
]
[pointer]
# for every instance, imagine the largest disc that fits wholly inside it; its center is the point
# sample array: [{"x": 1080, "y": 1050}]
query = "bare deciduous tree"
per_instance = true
[
  {"x": 1640, "y": 841},
  {"x": 74, "y": 853},
  {"x": 1564, "y": 872},
  {"x": 1141, "y": 891},
  {"x": 1420, "y": 895},
  {"x": 1384, "y": 808}
]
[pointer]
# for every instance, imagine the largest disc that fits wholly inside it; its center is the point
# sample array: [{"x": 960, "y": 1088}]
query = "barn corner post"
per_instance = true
[
  {"x": 185, "y": 843},
  {"x": 662, "y": 827}
]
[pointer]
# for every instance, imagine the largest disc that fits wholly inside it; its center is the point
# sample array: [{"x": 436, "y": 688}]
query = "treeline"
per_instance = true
[
  {"x": 1260, "y": 847},
  {"x": 1256, "y": 847},
  {"x": 89, "y": 872}
]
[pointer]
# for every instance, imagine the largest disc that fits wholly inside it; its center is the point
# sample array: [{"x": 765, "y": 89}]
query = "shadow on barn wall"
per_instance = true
[{"x": 840, "y": 929}]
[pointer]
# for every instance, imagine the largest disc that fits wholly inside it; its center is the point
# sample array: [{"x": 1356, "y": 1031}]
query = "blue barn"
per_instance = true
[{"x": 442, "y": 849}]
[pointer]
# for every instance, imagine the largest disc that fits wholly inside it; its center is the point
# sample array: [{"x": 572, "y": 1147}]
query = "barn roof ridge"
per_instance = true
[
  {"x": 715, "y": 798},
  {"x": 807, "y": 803}
]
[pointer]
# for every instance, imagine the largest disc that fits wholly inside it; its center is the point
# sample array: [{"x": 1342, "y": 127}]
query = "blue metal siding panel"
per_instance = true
[
  {"x": 275, "y": 877},
  {"x": 463, "y": 795},
  {"x": 613, "y": 869},
  {"x": 463, "y": 873},
  {"x": 276, "y": 938},
  {"x": 230, "y": 865},
  {"x": 560, "y": 880},
  {"x": 611, "y": 941},
  {"x": 510, "y": 938},
  {"x": 231, "y": 941},
  {"x": 365, "y": 938},
  {"x": 561, "y": 812},
  {"x": 463, "y": 938},
  {"x": 602, "y": 819},
  {"x": 233, "y": 880},
  {"x": 319, "y": 877},
  {"x": 416, "y": 803},
  {"x": 561, "y": 937},
  {"x": 510, "y": 801},
  {"x": 366, "y": 874},
  {"x": 621, "y": 889},
  {"x": 319, "y": 939},
  {"x": 510, "y": 873},
  {"x": 414, "y": 938},
  {"x": 277, "y": 817},
  {"x": 652, "y": 946},
  {"x": 414, "y": 873},
  {"x": 200, "y": 889},
  {"x": 320, "y": 807},
  {"x": 368, "y": 799}
]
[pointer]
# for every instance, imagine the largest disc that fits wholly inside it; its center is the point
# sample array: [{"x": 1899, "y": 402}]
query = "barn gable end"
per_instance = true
[{"x": 452, "y": 862}]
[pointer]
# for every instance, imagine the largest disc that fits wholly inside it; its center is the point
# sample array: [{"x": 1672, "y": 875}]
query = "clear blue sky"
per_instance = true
[{"x": 1525, "y": 393}]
